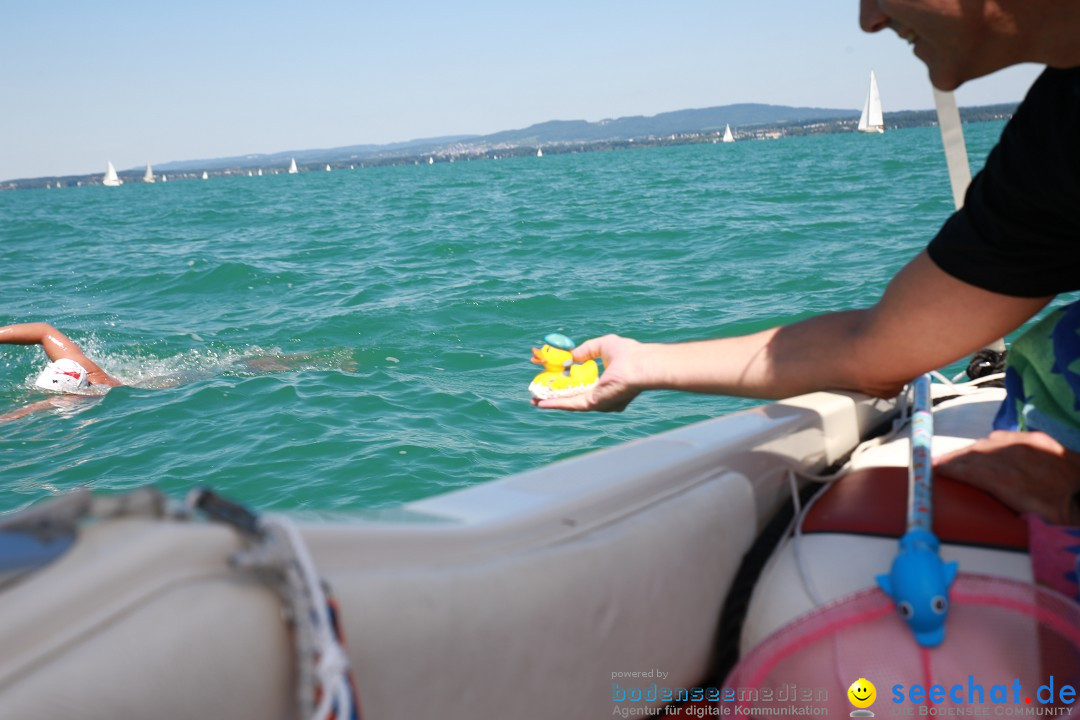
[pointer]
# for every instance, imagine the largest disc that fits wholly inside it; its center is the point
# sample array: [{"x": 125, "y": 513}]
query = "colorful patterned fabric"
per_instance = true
[
  {"x": 1055, "y": 555},
  {"x": 1042, "y": 379}
]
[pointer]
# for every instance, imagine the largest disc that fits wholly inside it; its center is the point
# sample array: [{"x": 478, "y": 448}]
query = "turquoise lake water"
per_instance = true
[{"x": 358, "y": 339}]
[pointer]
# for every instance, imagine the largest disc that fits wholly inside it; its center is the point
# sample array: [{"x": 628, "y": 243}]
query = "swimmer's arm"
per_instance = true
[
  {"x": 56, "y": 345},
  {"x": 52, "y": 403}
]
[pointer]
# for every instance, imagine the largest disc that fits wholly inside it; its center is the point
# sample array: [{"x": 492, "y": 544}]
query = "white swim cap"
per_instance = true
[{"x": 64, "y": 375}]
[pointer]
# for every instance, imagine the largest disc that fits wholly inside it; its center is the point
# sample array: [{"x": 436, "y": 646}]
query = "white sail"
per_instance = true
[
  {"x": 164, "y": 179},
  {"x": 430, "y": 160},
  {"x": 327, "y": 167},
  {"x": 148, "y": 177},
  {"x": 728, "y": 137},
  {"x": 111, "y": 179},
  {"x": 292, "y": 167},
  {"x": 205, "y": 175},
  {"x": 260, "y": 172},
  {"x": 871, "y": 119},
  {"x": 539, "y": 152}
]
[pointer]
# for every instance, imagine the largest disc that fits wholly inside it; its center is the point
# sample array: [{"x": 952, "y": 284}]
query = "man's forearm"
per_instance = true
[{"x": 816, "y": 354}]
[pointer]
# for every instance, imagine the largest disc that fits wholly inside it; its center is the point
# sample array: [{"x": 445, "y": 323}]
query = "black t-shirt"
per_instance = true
[{"x": 1019, "y": 230}]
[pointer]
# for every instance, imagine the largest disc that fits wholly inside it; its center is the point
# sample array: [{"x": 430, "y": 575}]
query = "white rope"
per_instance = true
[
  {"x": 322, "y": 664},
  {"x": 314, "y": 628},
  {"x": 796, "y": 546},
  {"x": 971, "y": 385},
  {"x": 276, "y": 548}
]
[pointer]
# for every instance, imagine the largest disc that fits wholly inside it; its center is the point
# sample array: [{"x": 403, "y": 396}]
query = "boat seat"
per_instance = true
[
  {"x": 873, "y": 501},
  {"x": 850, "y": 534}
]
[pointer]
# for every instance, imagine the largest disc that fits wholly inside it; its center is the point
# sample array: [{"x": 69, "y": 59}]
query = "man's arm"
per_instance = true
[
  {"x": 925, "y": 320},
  {"x": 56, "y": 345}
]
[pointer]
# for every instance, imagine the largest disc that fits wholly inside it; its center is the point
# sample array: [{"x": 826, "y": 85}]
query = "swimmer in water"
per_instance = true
[
  {"x": 72, "y": 375},
  {"x": 69, "y": 372}
]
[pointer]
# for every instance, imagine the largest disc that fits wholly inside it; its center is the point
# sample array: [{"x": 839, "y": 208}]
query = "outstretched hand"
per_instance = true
[
  {"x": 1028, "y": 471},
  {"x": 618, "y": 385}
]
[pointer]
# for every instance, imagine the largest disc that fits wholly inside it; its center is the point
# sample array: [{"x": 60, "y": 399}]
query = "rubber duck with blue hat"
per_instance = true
[{"x": 562, "y": 377}]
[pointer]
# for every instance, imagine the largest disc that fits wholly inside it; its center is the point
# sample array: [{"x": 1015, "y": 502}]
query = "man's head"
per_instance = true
[{"x": 959, "y": 40}]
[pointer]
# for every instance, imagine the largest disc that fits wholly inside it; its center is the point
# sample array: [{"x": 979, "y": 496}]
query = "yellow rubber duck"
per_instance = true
[{"x": 561, "y": 376}]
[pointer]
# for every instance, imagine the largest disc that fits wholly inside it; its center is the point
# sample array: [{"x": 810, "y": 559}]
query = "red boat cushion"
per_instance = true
[{"x": 873, "y": 501}]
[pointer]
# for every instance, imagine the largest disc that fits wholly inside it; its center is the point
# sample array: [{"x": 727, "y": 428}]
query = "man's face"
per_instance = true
[{"x": 957, "y": 39}]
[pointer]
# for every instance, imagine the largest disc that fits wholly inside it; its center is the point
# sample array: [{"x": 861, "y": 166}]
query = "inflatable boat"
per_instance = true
[{"x": 543, "y": 595}]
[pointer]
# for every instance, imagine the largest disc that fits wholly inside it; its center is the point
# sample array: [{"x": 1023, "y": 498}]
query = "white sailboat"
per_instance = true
[
  {"x": 292, "y": 167},
  {"x": 328, "y": 167},
  {"x": 539, "y": 152},
  {"x": 430, "y": 160},
  {"x": 871, "y": 119},
  {"x": 164, "y": 178},
  {"x": 205, "y": 175},
  {"x": 728, "y": 137},
  {"x": 260, "y": 172},
  {"x": 111, "y": 179},
  {"x": 148, "y": 176}
]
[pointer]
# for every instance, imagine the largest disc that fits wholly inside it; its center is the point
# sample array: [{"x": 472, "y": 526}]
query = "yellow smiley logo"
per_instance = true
[{"x": 862, "y": 693}]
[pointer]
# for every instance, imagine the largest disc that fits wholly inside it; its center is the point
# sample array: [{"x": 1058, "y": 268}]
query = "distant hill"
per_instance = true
[
  {"x": 546, "y": 133},
  {"x": 702, "y": 120},
  {"x": 303, "y": 157},
  {"x": 748, "y": 121}
]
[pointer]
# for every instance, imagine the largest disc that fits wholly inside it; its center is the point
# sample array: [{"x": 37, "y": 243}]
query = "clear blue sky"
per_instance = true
[{"x": 131, "y": 82}]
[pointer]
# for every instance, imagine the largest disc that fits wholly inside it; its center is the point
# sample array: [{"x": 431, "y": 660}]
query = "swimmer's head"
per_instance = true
[{"x": 65, "y": 376}]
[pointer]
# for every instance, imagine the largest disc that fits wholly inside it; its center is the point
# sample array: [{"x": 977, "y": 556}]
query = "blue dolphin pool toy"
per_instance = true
[
  {"x": 919, "y": 580},
  {"x": 919, "y": 585}
]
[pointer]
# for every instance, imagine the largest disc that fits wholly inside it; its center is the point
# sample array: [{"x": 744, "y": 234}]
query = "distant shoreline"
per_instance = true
[{"x": 481, "y": 148}]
